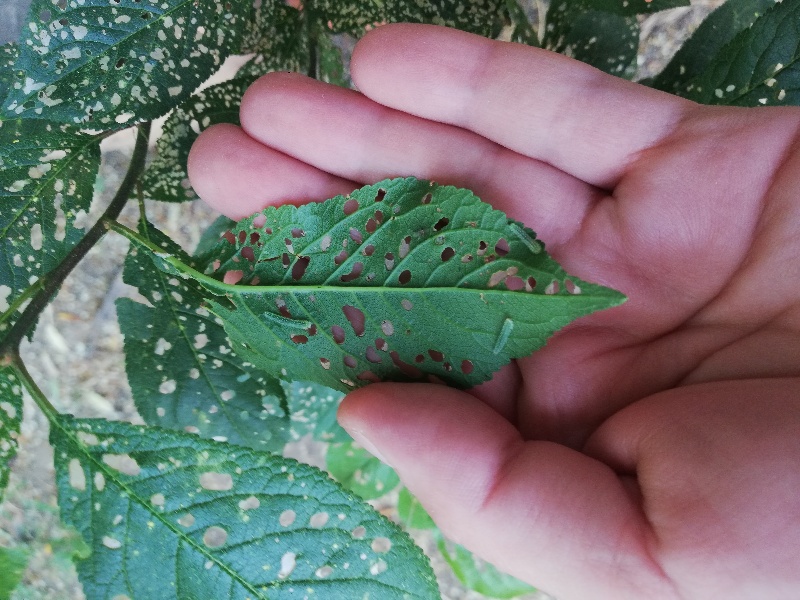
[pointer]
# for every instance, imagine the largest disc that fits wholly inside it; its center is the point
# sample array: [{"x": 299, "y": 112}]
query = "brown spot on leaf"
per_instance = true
[
  {"x": 372, "y": 355},
  {"x": 356, "y": 318}
]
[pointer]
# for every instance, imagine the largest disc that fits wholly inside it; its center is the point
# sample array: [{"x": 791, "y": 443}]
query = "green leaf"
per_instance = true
[
  {"x": 119, "y": 62},
  {"x": 166, "y": 179},
  {"x": 479, "y": 575},
  {"x": 719, "y": 28},
  {"x": 204, "y": 520},
  {"x": 13, "y": 563},
  {"x": 331, "y": 62},
  {"x": 630, "y": 8},
  {"x": 181, "y": 369},
  {"x": 523, "y": 32},
  {"x": 402, "y": 280},
  {"x": 8, "y": 56},
  {"x": 607, "y": 41},
  {"x": 274, "y": 29},
  {"x": 411, "y": 513},
  {"x": 313, "y": 411},
  {"x": 359, "y": 471},
  {"x": 760, "y": 66},
  {"x": 47, "y": 173},
  {"x": 483, "y": 17},
  {"x": 10, "y": 419},
  {"x": 210, "y": 238}
]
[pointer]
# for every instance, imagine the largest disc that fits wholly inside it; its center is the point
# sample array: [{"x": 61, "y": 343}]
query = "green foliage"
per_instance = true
[
  {"x": 8, "y": 56},
  {"x": 401, "y": 280},
  {"x": 411, "y": 513},
  {"x": 359, "y": 471},
  {"x": 313, "y": 411},
  {"x": 228, "y": 521},
  {"x": 10, "y": 419},
  {"x": 12, "y": 567},
  {"x": 181, "y": 368}
]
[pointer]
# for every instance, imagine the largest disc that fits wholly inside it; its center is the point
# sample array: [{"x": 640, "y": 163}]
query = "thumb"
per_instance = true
[{"x": 540, "y": 511}]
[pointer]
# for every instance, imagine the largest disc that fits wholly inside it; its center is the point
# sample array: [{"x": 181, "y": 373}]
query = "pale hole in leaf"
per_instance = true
[
  {"x": 378, "y": 567},
  {"x": 571, "y": 287},
  {"x": 187, "y": 520},
  {"x": 287, "y": 518},
  {"x": 467, "y": 367},
  {"x": 552, "y": 288},
  {"x": 426, "y": 199},
  {"x": 157, "y": 499},
  {"x": 215, "y": 537},
  {"x": 233, "y": 277},
  {"x": 259, "y": 221},
  {"x": 350, "y": 206},
  {"x": 89, "y": 439},
  {"x": 359, "y": 532},
  {"x": 351, "y": 362},
  {"x": 324, "y": 572},
  {"x": 496, "y": 278},
  {"x": 123, "y": 463},
  {"x": 298, "y": 233},
  {"x": 381, "y": 545},
  {"x": 111, "y": 543},
  {"x": 318, "y": 520},
  {"x": 216, "y": 482},
  {"x": 326, "y": 364},
  {"x": 36, "y": 236},
  {"x": 501, "y": 247},
  {"x": 99, "y": 481},
  {"x": 168, "y": 386},
  {"x": 406, "y": 304},
  {"x": 325, "y": 243},
  {"x": 381, "y": 344},
  {"x": 372, "y": 355},
  {"x": 514, "y": 283},
  {"x": 405, "y": 245},
  {"x": 77, "y": 478},
  {"x": 355, "y": 235},
  {"x": 389, "y": 261},
  {"x": 356, "y": 318},
  {"x": 226, "y": 395},
  {"x": 288, "y": 563},
  {"x": 249, "y": 503},
  {"x": 406, "y": 368}
]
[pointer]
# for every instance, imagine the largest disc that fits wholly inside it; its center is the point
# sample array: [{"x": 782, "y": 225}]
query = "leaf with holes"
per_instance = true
[
  {"x": 120, "y": 61},
  {"x": 312, "y": 410},
  {"x": 13, "y": 563},
  {"x": 719, "y": 28},
  {"x": 10, "y": 419},
  {"x": 47, "y": 172},
  {"x": 522, "y": 29},
  {"x": 760, "y": 66},
  {"x": 331, "y": 62},
  {"x": 8, "y": 56},
  {"x": 210, "y": 520},
  {"x": 479, "y": 575},
  {"x": 630, "y": 8},
  {"x": 478, "y": 16},
  {"x": 181, "y": 369},
  {"x": 402, "y": 280},
  {"x": 359, "y": 471},
  {"x": 274, "y": 29},
  {"x": 572, "y": 29}
]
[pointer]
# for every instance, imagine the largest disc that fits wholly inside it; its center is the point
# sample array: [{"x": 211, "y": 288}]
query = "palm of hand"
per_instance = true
[{"x": 648, "y": 440}]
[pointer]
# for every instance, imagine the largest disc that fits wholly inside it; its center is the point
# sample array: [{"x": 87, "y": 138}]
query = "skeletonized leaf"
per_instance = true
[
  {"x": 760, "y": 66},
  {"x": 719, "y": 28},
  {"x": 402, "y": 280},
  {"x": 479, "y": 575},
  {"x": 478, "y": 16},
  {"x": 359, "y": 471},
  {"x": 8, "y": 56},
  {"x": 10, "y": 419},
  {"x": 208, "y": 520},
  {"x": 13, "y": 563},
  {"x": 115, "y": 63},
  {"x": 47, "y": 173},
  {"x": 573, "y": 29},
  {"x": 313, "y": 411},
  {"x": 180, "y": 366}
]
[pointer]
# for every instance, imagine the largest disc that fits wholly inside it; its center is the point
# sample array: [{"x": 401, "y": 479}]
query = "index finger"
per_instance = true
[{"x": 538, "y": 103}]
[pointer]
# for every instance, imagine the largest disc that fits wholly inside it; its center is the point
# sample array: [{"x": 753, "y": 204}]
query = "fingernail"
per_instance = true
[{"x": 363, "y": 441}]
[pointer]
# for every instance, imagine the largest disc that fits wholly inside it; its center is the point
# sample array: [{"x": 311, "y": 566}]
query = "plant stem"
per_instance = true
[
  {"x": 51, "y": 282},
  {"x": 36, "y": 394},
  {"x": 313, "y": 58}
]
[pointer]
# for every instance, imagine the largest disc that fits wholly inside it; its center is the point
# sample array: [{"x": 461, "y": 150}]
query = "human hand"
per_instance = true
[{"x": 648, "y": 451}]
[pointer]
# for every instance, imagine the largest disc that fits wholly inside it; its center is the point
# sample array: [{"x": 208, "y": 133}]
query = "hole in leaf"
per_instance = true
[
  {"x": 242, "y": 236},
  {"x": 354, "y": 273},
  {"x": 111, "y": 543},
  {"x": 216, "y": 482},
  {"x": 254, "y": 238},
  {"x": 426, "y": 199},
  {"x": 405, "y": 277},
  {"x": 571, "y": 287},
  {"x": 249, "y": 503},
  {"x": 530, "y": 284},
  {"x": 369, "y": 250},
  {"x": 340, "y": 258},
  {"x": 280, "y": 304},
  {"x": 356, "y": 319},
  {"x": 441, "y": 223},
  {"x": 379, "y": 216},
  {"x": 381, "y": 545},
  {"x": 436, "y": 355},
  {"x": 355, "y": 235},
  {"x": 552, "y": 288},
  {"x": 350, "y": 206},
  {"x": 378, "y": 567},
  {"x": 501, "y": 247},
  {"x": 496, "y": 278},
  {"x": 388, "y": 260},
  {"x": 287, "y": 518},
  {"x": 466, "y": 258},
  {"x": 233, "y": 277},
  {"x": 467, "y": 367},
  {"x": 419, "y": 358},
  {"x": 186, "y": 520},
  {"x": 120, "y": 63},
  {"x": 259, "y": 221},
  {"x": 229, "y": 237},
  {"x": 406, "y": 368},
  {"x": 298, "y": 233},
  {"x": 372, "y": 355},
  {"x": 324, "y": 571},
  {"x": 124, "y": 463},
  {"x": 247, "y": 252},
  {"x": 77, "y": 478},
  {"x": 299, "y": 339},
  {"x": 286, "y": 260},
  {"x": 447, "y": 367},
  {"x": 371, "y": 225},
  {"x": 448, "y": 253},
  {"x": 318, "y": 520},
  {"x": 387, "y": 327},
  {"x": 349, "y": 361},
  {"x": 380, "y": 195},
  {"x": 359, "y": 532},
  {"x": 338, "y": 334},
  {"x": 368, "y": 376},
  {"x": 482, "y": 247},
  {"x": 405, "y": 245},
  {"x": 312, "y": 330},
  {"x": 288, "y": 562},
  {"x": 299, "y": 268},
  {"x": 514, "y": 283},
  {"x": 326, "y": 364},
  {"x": 215, "y": 537},
  {"x": 381, "y": 345}
]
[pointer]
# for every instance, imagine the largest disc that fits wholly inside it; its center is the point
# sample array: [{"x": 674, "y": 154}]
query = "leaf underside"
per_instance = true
[
  {"x": 359, "y": 471},
  {"x": 181, "y": 369},
  {"x": 402, "y": 280},
  {"x": 10, "y": 420},
  {"x": 206, "y": 520}
]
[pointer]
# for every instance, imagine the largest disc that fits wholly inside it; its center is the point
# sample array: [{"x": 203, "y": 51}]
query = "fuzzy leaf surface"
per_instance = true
[
  {"x": 181, "y": 369},
  {"x": 573, "y": 29},
  {"x": 359, "y": 471},
  {"x": 759, "y": 67},
  {"x": 212, "y": 521},
  {"x": 718, "y": 29},
  {"x": 47, "y": 173},
  {"x": 10, "y": 420},
  {"x": 116, "y": 63},
  {"x": 402, "y": 280}
]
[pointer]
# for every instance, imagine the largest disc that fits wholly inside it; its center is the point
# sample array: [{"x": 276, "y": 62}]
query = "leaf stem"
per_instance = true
[
  {"x": 51, "y": 282},
  {"x": 36, "y": 394},
  {"x": 313, "y": 44}
]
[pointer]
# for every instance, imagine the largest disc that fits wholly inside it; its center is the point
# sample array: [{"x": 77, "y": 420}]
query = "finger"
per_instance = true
[
  {"x": 239, "y": 176},
  {"x": 544, "y": 513},
  {"x": 535, "y": 102},
  {"x": 346, "y": 134}
]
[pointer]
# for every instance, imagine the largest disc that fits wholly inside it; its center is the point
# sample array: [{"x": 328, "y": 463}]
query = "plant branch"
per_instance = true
[
  {"x": 51, "y": 282},
  {"x": 36, "y": 394},
  {"x": 313, "y": 58}
]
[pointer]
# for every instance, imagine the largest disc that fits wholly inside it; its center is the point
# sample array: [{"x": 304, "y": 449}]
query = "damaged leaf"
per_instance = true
[{"x": 10, "y": 419}]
